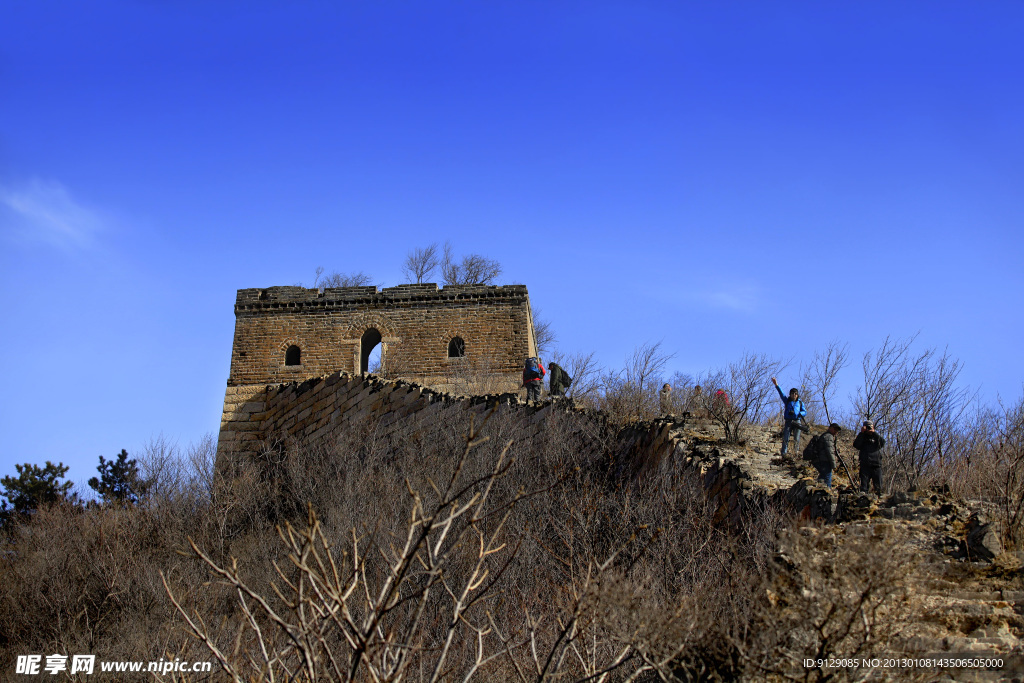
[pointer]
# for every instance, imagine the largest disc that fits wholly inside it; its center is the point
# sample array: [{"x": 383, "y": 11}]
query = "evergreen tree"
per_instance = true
[
  {"x": 33, "y": 487},
  {"x": 119, "y": 482}
]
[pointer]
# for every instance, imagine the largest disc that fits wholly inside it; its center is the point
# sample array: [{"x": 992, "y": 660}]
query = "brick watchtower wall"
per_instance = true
[
  {"x": 284, "y": 334},
  {"x": 290, "y": 334}
]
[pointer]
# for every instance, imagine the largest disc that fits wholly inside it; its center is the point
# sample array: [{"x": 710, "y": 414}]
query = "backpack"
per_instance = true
[
  {"x": 812, "y": 450},
  {"x": 559, "y": 375},
  {"x": 531, "y": 371}
]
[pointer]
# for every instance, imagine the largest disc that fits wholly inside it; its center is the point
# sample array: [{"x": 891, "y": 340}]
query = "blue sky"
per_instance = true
[{"x": 721, "y": 176}]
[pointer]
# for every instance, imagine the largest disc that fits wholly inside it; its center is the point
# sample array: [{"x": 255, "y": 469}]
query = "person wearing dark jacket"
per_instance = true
[
  {"x": 533, "y": 379},
  {"x": 793, "y": 416},
  {"x": 560, "y": 380},
  {"x": 870, "y": 444},
  {"x": 825, "y": 461}
]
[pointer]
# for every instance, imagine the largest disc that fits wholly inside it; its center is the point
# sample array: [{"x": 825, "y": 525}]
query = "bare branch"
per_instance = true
[
  {"x": 337, "y": 279},
  {"x": 420, "y": 263},
  {"x": 471, "y": 270}
]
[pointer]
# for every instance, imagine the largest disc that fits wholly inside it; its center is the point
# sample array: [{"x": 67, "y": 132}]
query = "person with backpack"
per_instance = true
[
  {"x": 794, "y": 415},
  {"x": 560, "y": 380},
  {"x": 824, "y": 447},
  {"x": 533, "y": 378},
  {"x": 870, "y": 444}
]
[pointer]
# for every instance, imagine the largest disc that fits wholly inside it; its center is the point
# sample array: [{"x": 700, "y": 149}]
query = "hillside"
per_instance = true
[{"x": 428, "y": 533}]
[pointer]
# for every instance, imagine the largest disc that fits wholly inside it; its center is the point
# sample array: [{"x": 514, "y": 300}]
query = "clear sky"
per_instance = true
[{"x": 721, "y": 176}]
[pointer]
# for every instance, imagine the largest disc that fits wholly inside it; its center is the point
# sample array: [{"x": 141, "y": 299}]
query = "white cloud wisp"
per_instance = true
[{"x": 44, "y": 211}]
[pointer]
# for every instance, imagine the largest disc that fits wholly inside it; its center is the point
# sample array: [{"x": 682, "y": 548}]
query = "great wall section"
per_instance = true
[
  {"x": 964, "y": 610},
  {"x": 319, "y": 410}
]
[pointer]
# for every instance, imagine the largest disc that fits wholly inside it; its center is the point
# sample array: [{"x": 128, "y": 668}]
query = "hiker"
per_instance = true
[
  {"x": 533, "y": 378},
  {"x": 695, "y": 402},
  {"x": 793, "y": 416},
  {"x": 825, "y": 462},
  {"x": 720, "y": 402},
  {"x": 870, "y": 444},
  {"x": 560, "y": 380},
  {"x": 665, "y": 399}
]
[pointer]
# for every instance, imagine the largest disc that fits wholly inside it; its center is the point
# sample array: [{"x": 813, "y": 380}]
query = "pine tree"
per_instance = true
[
  {"x": 119, "y": 482},
  {"x": 33, "y": 487}
]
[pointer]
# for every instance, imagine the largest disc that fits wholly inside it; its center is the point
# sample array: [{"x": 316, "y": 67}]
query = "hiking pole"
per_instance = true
[{"x": 843, "y": 463}]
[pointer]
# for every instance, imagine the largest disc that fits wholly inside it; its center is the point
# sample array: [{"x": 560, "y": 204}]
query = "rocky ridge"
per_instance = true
[{"x": 965, "y": 590}]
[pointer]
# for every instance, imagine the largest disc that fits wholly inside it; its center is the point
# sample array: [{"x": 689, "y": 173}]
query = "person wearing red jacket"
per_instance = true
[{"x": 533, "y": 378}]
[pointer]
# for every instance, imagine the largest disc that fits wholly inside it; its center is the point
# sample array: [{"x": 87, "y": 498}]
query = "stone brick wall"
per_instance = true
[
  {"x": 416, "y": 323},
  {"x": 322, "y": 408},
  {"x": 736, "y": 479}
]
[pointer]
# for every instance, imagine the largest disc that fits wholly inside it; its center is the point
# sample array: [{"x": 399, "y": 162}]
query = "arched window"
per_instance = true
[
  {"x": 293, "y": 356},
  {"x": 456, "y": 348},
  {"x": 370, "y": 339}
]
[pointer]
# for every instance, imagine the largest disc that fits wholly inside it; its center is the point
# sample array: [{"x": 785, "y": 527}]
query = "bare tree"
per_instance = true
[
  {"x": 420, "y": 263},
  {"x": 543, "y": 334},
  {"x": 471, "y": 270},
  {"x": 336, "y": 279},
  {"x": 1006, "y": 443},
  {"x": 819, "y": 377},
  {"x": 370, "y": 613},
  {"x": 585, "y": 373},
  {"x": 740, "y": 393},
  {"x": 645, "y": 366},
  {"x": 818, "y": 384},
  {"x": 683, "y": 393},
  {"x": 631, "y": 393},
  {"x": 886, "y": 380},
  {"x": 916, "y": 404}
]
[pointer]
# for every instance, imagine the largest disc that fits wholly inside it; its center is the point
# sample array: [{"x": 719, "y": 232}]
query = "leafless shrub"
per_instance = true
[
  {"x": 420, "y": 263},
  {"x": 473, "y": 375},
  {"x": 200, "y": 461},
  {"x": 87, "y": 579},
  {"x": 543, "y": 333},
  {"x": 585, "y": 373},
  {"x": 632, "y": 393},
  {"x": 887, "y": 380},
  {"x": 740, "y": 394},
  {"x": 160, "y": 464},
  {"x": 336, "y": 279},
  {"x": 830, "y": 598},
  {"x": 819, "y": 380},
  {"x": 592, "y": 580},
  {"x": 370, "y": 612},
  {"x": 1005, "y": 443},
  {"x": 473, "y": 269},
  {"x": 609, "y": 582},
  {"x": 973, "y": 471},
  {"x": 687, "y": 395},
  {"x": 916, "y": 405}
]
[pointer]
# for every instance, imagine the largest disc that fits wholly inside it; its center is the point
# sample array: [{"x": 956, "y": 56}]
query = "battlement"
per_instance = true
[{"x": 271, "y": 297}]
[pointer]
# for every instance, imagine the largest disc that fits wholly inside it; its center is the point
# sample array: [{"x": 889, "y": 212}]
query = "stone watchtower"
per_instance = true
[
  {"x": 429, "y": 335},
  {"x": 471, "y": 338}
]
